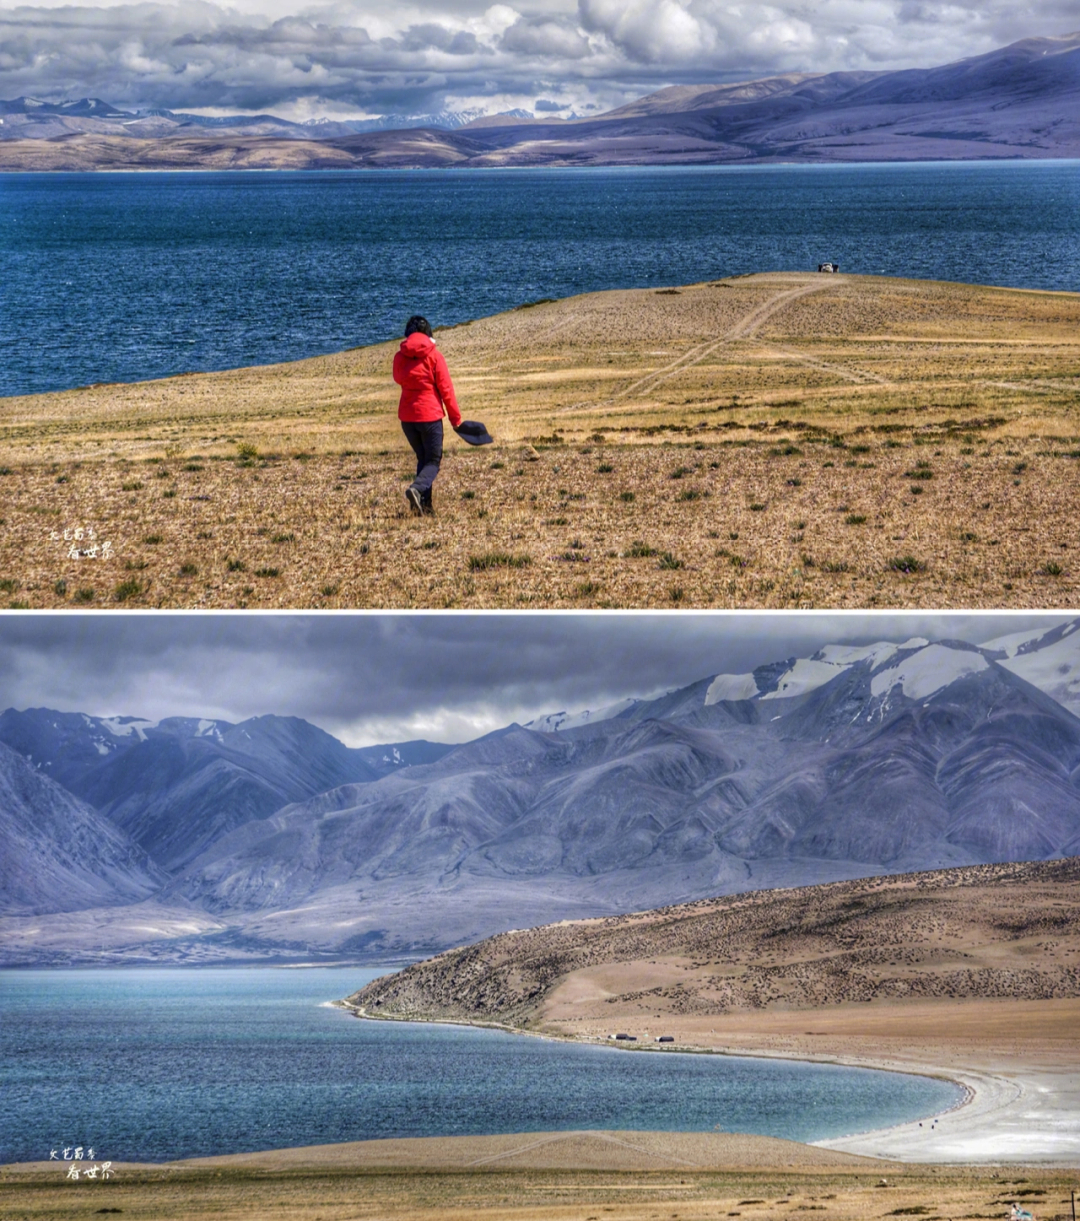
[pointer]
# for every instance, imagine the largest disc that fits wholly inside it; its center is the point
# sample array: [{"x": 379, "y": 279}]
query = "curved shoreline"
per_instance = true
[{"x": 968, "y": 1082}]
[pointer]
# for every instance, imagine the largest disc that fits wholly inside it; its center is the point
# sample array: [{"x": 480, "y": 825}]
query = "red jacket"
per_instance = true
[{"x": 420, "y": 370}]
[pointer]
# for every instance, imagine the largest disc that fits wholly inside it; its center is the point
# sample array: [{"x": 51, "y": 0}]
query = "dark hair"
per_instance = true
[{"x": 418, "y": 323}]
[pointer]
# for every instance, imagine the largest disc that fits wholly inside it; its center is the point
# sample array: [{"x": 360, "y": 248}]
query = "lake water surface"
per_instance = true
[
  {"x": 151, "y": 1065},
  {"x": 122, "y": 277}
]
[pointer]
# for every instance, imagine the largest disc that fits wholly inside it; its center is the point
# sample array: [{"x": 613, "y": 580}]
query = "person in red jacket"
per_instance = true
[{"x": 426, "y": 389}]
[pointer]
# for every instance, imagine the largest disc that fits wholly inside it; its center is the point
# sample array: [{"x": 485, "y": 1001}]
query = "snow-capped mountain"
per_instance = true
[
  {"x": 1047, "y": 658},
  {"x": 858, "y": 760}
]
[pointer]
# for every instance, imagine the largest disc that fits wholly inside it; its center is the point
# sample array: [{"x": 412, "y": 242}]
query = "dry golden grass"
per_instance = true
[
  {"x": 225, "y": 1189},
  {"x": 746, "y": 442}
]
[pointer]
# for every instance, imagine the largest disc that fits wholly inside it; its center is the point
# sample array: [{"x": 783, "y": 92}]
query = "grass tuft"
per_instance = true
[
  {"x": 906, "y": 563},
  {"x": 498, "y": 559},
  {"x": 127, "y": 589}
]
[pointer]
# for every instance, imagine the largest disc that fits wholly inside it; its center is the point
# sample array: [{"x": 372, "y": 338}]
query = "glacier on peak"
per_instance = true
[
  {"x": 928, "y": 671},
  {"x": 731, "y": 687}
]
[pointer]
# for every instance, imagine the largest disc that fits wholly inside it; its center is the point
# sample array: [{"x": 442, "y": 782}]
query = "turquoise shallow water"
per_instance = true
[
  {"x": 121, "y": 277},
  {"x": 152, "y": 1065}
]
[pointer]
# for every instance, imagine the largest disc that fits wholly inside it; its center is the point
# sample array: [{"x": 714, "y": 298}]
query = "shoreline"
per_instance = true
[
  {"x": 965, "y": 1082},
  {"x": 992, "y": 1117}
]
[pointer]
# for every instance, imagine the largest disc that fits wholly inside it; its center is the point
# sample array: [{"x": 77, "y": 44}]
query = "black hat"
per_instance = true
[{"x": 473, "y": 432}]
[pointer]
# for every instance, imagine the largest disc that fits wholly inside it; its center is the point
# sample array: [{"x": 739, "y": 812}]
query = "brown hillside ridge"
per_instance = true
[
  {"x": 784, "y": 440},
  {"x": 1006, "y": 932}
]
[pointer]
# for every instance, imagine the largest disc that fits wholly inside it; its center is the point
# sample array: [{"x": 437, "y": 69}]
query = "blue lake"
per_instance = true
[
  {"x": 152, "y": 1065},
  {"x": 121, "y": 277}
]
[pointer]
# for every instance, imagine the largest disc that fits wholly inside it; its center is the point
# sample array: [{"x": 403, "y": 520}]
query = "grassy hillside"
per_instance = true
[{"x": 786, "y": 440}]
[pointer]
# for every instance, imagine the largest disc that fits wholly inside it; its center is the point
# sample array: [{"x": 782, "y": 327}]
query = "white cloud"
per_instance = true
[
  {"x": 274, "y": 54},
  {"x": 372, "y": 678}
]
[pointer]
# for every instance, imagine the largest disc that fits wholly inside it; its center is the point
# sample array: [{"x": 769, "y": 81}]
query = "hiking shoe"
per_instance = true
[
  {"x": 415, "y": 500},
  {"x": 426, "y": 505}
]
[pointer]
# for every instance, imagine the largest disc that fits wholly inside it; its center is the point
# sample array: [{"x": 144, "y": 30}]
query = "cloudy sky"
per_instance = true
[
  {"x": 387, "y": 678},
  {"x": 350, "y": 58}
]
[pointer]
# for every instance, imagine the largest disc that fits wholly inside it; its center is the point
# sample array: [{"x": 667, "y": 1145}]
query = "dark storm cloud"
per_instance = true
[
  {"x": 388, "y": 677},
  {"x": 414, "y": 58}
]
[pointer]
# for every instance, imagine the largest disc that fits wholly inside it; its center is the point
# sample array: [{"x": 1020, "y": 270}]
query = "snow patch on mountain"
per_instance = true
[
  {"x": 928, "y": 671},
  {"x": 731, "y": 687},
  {"x": 1011, "y": 644},
  {"x": 555, "y": 721},
  {"x": 125, "y": 726},
  {"x": 1054, "y": 669},
  {"x": 805, "y": 675},
  {"x": 845, "y": 655}
]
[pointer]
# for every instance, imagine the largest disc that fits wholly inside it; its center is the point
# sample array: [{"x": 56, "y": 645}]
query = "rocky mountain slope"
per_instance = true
[
  {"x": 58, "y": 854},
  {"x": 1001, "y": 932},
  {"x": 179, "y": 784},
  {"x": 1021, "y": 101}
]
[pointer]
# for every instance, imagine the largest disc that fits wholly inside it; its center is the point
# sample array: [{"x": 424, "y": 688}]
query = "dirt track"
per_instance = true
[{"x": 783, "y": 440}]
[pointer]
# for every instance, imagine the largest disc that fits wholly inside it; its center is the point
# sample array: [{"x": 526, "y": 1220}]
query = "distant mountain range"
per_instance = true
[
  {"x": 29, "y": 118},
  {"x": 1021, "y": 101},
  {"x": 191, "y": 839}
]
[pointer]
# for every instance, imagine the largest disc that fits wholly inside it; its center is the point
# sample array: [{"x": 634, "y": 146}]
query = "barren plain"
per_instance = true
[
  {"x": 563, "y": 1176},
  {"x": 781, "y": 440}
]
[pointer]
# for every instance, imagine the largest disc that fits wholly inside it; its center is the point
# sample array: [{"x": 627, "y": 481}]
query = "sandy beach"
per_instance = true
[{"x": 1018, "y": 1061}]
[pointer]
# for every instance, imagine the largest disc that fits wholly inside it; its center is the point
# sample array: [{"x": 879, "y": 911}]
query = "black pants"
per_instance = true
[{"x": 426, "y": 439}]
